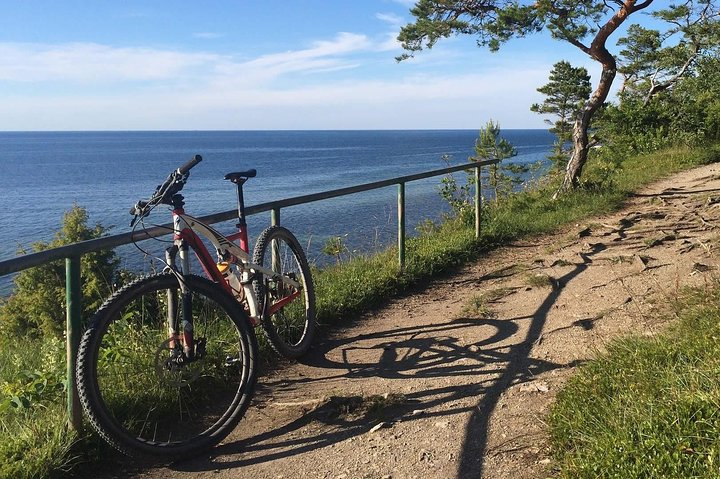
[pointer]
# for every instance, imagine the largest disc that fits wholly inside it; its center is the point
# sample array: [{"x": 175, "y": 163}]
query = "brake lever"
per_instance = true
[{"x": 139, "y": 210}]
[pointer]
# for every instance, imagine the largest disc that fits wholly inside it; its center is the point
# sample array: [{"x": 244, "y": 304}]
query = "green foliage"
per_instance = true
[
  {"x": 335, "y": 247},
  {"x": 494, "y": 22},
  {"x": 490, "y": 146},
  {"x": 686, "y": 115},
  {"x": 37, "y": 447},
  {"x": 502, "y": 179},
  {"x": 32, "y": 375},
  {"x": 458, "y": 196},
  {"x": 671, "y": 90},
  {"x": 585, "y": 24},
  {"x": 36, "y": 441},
  {"x": 566, "y": 93},
  {"x": 37, "y": 305},
  {"x": 653, "y": 61},
  {"x": 649, "y": 407}
]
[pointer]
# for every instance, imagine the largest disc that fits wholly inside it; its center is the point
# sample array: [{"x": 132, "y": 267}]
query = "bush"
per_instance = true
[{"x": 37, "y": 305}]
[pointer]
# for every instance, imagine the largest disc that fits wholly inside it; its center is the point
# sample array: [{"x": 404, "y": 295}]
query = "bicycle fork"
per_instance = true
[{"x": 181, "y": 329}]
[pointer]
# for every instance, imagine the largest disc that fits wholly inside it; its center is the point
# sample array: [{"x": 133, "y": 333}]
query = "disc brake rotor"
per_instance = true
[{"x": 172, "y": 372}]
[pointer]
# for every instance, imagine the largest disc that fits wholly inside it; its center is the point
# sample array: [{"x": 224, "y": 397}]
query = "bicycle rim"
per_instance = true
[{"x": 136, "y": 393}]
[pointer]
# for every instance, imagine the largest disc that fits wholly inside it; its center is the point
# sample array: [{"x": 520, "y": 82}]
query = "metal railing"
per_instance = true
[{"x": 73, "y": 252}]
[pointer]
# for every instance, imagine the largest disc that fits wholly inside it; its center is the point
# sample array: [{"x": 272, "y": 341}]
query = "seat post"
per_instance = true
[
  {"x": 239, "y": 178},
  {"x": 240, "y": 203}
]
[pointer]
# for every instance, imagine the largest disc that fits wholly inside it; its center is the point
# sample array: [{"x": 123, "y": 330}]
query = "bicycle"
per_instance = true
[{"x": 167, "y": 365}]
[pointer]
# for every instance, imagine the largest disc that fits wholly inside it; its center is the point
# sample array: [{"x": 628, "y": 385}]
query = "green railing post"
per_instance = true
[
  {"x": 478, "y": 200},
  {"x": 275, "y": 216},
  {"x": 401, "y": 225},
  {"x": 73, "y": 297}
]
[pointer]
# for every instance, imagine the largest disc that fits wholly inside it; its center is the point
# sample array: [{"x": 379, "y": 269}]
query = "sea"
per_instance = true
[{"x": 43, "y": 174}]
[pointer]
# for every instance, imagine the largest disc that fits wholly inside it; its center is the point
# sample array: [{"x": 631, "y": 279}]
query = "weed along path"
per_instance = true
[{"x": 455, "y": 381}]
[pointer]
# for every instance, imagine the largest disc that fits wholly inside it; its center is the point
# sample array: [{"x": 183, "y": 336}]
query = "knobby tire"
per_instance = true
[
  {"x": 141, "y": 402},
  {"x": 291, "y": 330}
]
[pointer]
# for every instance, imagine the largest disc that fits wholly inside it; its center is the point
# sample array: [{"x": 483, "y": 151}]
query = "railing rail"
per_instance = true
[{"x": 73, "y": 252}]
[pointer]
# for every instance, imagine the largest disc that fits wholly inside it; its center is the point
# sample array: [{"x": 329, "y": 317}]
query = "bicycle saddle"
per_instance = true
[{"x": 241, "y": 175}]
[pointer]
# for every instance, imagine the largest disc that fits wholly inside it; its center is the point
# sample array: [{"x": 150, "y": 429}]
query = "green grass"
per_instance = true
[
  {"x": 35, "y": 440},
  {"x": 649, "y": 407},
  {"x": 480, "y": 305},
  {"x": 363, "y": 283}
]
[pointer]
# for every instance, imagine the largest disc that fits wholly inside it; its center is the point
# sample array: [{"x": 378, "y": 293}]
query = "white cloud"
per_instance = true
[
  {"x": 391, "y": 18},
  {"x": 182, "y": 90},
  {"x": 427, "y": 101},
  {"x": 92, "y": 62},
  {"x": 322, "y": 55}
]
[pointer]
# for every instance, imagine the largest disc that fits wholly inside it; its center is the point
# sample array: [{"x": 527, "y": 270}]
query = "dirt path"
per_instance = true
[{"x": 431, "y": 388}]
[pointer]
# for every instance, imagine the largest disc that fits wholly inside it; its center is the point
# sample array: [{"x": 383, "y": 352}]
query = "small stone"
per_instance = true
[
  {"x": 474, "y": 348},
  {"x": 642, "y": 261},
  {"x": 700, "y": 268},
  {"x": 544, "y": 462},
  {"x": 378, "y": 426},
  {"x": 417, "y": 412},
  {"x": 534, "y": 387},
  {"x": 425, "y": 455}
]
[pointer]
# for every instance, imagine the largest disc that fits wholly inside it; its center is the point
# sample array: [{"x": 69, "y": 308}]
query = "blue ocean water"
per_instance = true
[{"x": 42, "y": 174}]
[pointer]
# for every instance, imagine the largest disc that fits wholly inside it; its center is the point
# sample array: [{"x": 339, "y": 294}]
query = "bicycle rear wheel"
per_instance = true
[
  {"x": 135, "y": 391},
  {"x": 291, "y": 328}
]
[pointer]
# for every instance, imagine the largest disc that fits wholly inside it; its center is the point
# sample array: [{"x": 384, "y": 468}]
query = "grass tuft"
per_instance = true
[{"x": 539, "y": 280}]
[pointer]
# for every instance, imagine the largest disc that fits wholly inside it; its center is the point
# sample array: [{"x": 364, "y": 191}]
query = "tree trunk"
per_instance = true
[
  {"x": 581, "y": 142},
  {"x": 598, "y": 52}
]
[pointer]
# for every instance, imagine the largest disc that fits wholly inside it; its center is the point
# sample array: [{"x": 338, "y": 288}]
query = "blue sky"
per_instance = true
[{"x": 237, "y": 64}]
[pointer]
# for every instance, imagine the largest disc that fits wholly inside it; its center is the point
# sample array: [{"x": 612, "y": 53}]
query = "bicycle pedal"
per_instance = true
[{"x": 231, "y": 361}]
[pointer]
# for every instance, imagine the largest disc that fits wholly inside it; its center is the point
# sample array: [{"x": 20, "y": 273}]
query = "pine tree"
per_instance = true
[
  {"x": 491, "y": 146},
  {"x": 566, "y": 93}
]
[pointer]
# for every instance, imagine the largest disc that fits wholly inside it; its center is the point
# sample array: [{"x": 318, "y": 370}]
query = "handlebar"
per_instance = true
[
  {"x": 164, "y": 192},
  {"x": 188, "y": 166}
]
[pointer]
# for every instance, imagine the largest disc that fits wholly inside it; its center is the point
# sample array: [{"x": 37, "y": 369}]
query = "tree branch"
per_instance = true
[{"x": 658, "y": 87}]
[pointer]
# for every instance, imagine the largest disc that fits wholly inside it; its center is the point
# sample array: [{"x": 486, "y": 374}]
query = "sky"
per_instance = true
[{"x": 255, "y": 65}]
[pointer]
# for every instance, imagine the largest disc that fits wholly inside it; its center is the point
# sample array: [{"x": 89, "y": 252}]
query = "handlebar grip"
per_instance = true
[{"x": 186, "y": 167}]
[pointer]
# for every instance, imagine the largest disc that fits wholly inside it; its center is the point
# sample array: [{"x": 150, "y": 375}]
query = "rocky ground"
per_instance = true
[{"x": 456, "y": 380}]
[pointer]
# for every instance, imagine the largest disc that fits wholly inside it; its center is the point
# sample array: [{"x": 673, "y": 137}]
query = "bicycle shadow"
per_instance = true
[
  {"x": 428, "y": 351},
  {"x": 430, "y": 357},
  {"x": 476, "y": 434}
]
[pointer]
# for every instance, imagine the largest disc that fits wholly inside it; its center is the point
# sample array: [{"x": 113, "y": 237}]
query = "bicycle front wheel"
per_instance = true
[
  {"x": 140, "y": 393},
  {"x": 288, "y": 313}
]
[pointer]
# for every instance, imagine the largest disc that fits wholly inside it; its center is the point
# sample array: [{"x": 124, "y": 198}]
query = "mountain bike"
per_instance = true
[{"x": 167, "y": 365}]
